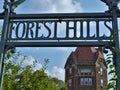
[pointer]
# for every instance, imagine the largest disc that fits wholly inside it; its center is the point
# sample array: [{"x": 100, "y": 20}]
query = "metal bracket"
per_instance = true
[
  {"x": 10, "y": 6},
  {"x": 112, "y": 4},
  {"x": 9, "y": 47}
]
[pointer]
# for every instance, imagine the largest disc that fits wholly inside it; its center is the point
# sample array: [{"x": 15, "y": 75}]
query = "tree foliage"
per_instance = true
[
  {"x": 17, "y": 77},
  {"x": 110, "y": 61}
]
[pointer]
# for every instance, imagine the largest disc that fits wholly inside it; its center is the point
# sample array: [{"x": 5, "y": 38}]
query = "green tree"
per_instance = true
[
  {"x": 17, "y": 77},
  {"x": 110, "y": 61}
]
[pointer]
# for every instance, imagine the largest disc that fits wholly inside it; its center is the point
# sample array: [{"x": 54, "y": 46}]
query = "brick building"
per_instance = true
[{"x": 85, "y": 69}]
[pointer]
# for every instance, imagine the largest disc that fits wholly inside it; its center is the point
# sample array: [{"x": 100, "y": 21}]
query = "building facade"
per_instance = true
[{"x": 85, "y": 69}]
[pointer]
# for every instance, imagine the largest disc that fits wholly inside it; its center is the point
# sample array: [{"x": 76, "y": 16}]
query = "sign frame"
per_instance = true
[{"x": 8, "y": 16}]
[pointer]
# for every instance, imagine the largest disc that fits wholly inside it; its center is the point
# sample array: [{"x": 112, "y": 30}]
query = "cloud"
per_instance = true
[
  {"x": 24, "y": 61},
  {"x": 29, "y": 60},
  {"x": 52, "y": 6},
  {"x": 57, "y": 72}
]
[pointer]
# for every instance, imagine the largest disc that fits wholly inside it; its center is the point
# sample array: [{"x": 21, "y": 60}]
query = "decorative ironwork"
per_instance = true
[
  {"x": 42, "y": 30},
  {"x": 46, "y": 32},
  {"x": 111, "y": 4},
  {"x": 49, "y": 29}
]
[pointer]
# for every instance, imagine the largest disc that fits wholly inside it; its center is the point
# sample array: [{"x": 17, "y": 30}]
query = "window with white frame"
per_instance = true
[
  {"x": 70, "y": 82},
  {"x": 86, "y": 81},
  {"x": 101, "y": 71},
  {"x": 101, "y": 82},
  {"x": 85, "y": 70},
  {"x": 70, "y": 71}
]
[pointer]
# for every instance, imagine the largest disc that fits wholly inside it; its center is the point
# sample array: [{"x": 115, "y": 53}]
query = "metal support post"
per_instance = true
[
  {"x": 117, "y": 47},
  {"x": 2, "y": 69},
  {"x": 3, "y": 64},
  {"x": 9, "y": 9},
  {"x": 3, "y": 41}
]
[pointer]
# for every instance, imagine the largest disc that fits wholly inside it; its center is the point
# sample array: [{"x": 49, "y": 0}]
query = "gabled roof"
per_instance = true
[{"x": 85, "y": 55}]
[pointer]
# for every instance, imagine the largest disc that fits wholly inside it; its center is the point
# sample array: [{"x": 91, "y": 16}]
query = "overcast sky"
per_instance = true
[{"x": 56, "y": 55}]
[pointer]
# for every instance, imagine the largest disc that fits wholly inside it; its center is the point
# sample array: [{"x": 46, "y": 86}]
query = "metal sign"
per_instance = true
[
  {"x": 32, "y": 29},
  {"x": 59, "y": 32},
  {"x": 54, "y": 30}
]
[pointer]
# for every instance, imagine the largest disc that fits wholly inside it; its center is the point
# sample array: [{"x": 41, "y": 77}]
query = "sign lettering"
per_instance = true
[{"x": 63, "y": 30}]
